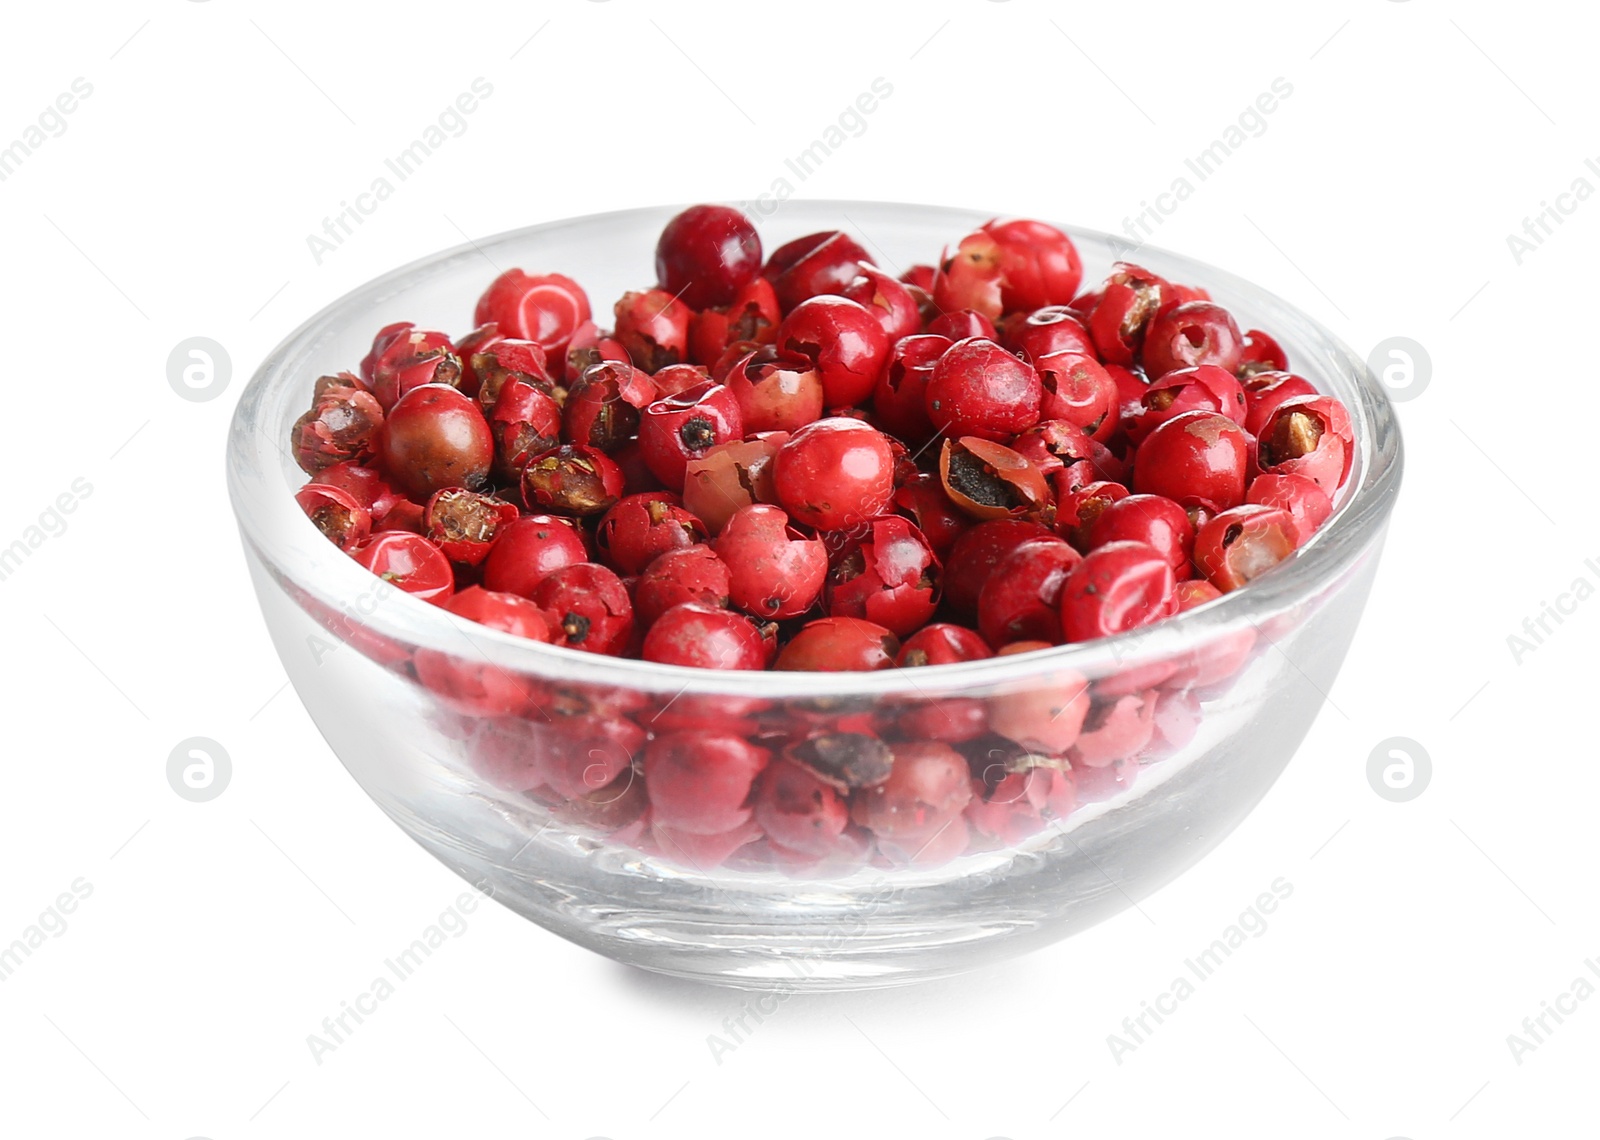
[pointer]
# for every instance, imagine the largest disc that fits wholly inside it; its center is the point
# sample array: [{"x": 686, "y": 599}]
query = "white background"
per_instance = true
[{"x": 218, "y": 935}]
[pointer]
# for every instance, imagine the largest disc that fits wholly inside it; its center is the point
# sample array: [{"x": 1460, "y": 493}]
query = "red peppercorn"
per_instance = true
[
  {"x": 342, "y": 424},
  {"x": 989, "y": 481},
  {"x": 434, "y": 438},
  {"x": 942, "y": 644},
  {"x": 470, "y": 345},
  {"x": 1307, "y": 503},
  {"x": 731, "y": 475},
  {"x": 1046, "y": 331},
  {"x": 888, "y": 576},
  {"x": 464, "y": 524},
  {"x": 700, "y": 783},
  {"x": 844, "y": 342},
  {"x": 1195, "y": 592},
  {"x": 675, "y": 378},
  {"x": 404, "y": 357},
  {"x": 978, "y": 388},
  {"x": 1197, "y": 458},
  {"x": 1078, "y": 389},
  {"x": 927, "y": 788},
  {"x": 1243, "y": 543},
  {"x": 774, "y": 571},
  {"x": 1265, "y": 391},
  {"x": 404, "y": 516},
  {"x": 590, "y": 344},
  {"x": 1021, "y": 803},
  {"x": 708, "y": 637},
  {"x": 1077, "y": 511},
  {"x": 1261, "y": 353},
  {"x": 529, "y": 550},
  {"x": 1205, "y": 388},
  {"x": 635, "y": 475},
  {"x": 473, "y": 685},
  {"x": 1039, "y": 265},
  {"x": 735, "y": 353},
  {"x": 1117, "y": 729},
  {"x": 798, "y": 811},
  {"x": 654, "y": 327},
  {"x": 834, "y": 473},
  {"x": 504, "y": 361},
  {"x": 335, "y": 512},
  {"x": 961, "y": 324},
  {"x": 1130, "y": 383},
  {"x": 1044, "y": 716},
  {"x": 1152, "y": 520},
  {"x": 588, "y": 606},
  {"x": 706, "y": 254},
  {"x": 1021, "y": 601},
  {"x": 367, "y": 485},
  {"x": 1117, "y": 587},
  {"x": 1309, "y": 436},
  {"x": 813, "y": 265},
  {"x": 952, "y": 720},
  {"x": 971, "y": 277},
  {"x": 580, "y": 756},
  {"x": 1011, "y": 649},
  {"x": 678, "y": 428},
  {"x": 408, "y": 562},
  {"x": 839, "y": 644},
  {"x": 843, "y": 760},
  {"x": 1181, "y": 294},
  {"x": 886, "y": 299},
  {"x": 504, "y": 751},
  {"x": 640, "y": 527},
  {"x": 525, "y": 423},
  {"x": 1061, "y": 452},
  {"x": 546, "y": 309},
  {"x": 922, "y": 499},
  {"x": 1119, "y": 315},
  {"x": 920, "y": 276},
  {"x": 573, "y": 480},
  {"x": 974, "y": 555},
  {"x": 751, "y": 317},
  {"x": 603, "y": 405},
  {"x": 1197, "y": 332},
  {"x": 686, "y": 574},
  {"x": 899, "y": 396},
  {"x": 776, "y": 391}
]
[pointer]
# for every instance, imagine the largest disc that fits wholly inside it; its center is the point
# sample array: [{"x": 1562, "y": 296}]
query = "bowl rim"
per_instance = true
[{"x": 264, "y": 504}]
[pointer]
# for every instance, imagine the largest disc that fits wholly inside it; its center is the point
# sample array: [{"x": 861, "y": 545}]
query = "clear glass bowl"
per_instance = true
[{"x": 1230, "y": 688}]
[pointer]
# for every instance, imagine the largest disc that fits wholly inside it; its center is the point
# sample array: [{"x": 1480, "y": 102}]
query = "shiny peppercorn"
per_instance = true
[
  {"x": 684, "y": 426},
  {"x": 978, "y": 388},
  {"x": 1116, "y": 588},
  {"x": 706, "y": 254},
  {"x": 588, "y": 606},
  {"x": 530, "y": 549},
  {"x": 774, "y": 571},
  {"x": 834, "y": 474},
  {"x": 434, "y": 437},
  {"x": 813, "y": 265}
]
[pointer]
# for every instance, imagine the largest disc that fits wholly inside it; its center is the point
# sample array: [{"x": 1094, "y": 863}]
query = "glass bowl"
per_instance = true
[{"x": 1188, "y": 721}]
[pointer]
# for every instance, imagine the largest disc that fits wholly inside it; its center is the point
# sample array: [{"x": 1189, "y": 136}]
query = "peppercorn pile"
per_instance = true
[{"x": 806, "y": 463}]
